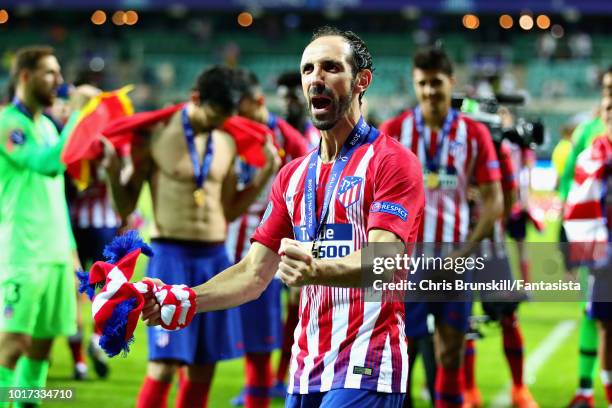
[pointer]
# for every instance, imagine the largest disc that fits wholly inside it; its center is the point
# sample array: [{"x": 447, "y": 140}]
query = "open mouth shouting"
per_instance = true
[{"x": 320, "y": 104}]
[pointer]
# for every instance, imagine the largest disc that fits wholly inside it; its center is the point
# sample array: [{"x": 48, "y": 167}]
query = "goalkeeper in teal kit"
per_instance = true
[{"x": 37, "y": 284}]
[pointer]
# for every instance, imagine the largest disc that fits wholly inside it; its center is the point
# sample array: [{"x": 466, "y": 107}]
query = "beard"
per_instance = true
[
  {"x": 339, "y": 105},
  {"x": 44, "y": 98}
]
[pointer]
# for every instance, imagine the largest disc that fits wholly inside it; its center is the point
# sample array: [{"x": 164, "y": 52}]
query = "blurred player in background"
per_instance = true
[
  {"x": 504, "y": 311},
  {"x": 523, "y": 159},
  {"x": 295, "y": 108},
  {"x": 588, "y": 215},
  {"x": 582, "y": 138},
  {"x": 94, "y": 224},
  {"x": 189, "y": 164},
  {"x": 295, "y": 111},
  {"x": 38, "y": 257},
  {"x": 261, "y": 318},
  {"x": 453, "y": 150}
]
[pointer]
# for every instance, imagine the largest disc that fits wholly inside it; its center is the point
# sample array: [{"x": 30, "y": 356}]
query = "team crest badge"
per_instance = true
[
  {"x": 349, "y": 190},
  {"x": 17, "y": 137}
]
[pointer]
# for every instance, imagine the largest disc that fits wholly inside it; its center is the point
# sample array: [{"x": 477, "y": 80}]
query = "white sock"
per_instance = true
[{"x": 585, "y": 392}]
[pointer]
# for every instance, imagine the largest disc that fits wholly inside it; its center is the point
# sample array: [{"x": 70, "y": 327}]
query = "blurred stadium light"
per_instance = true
[{"x": 161, "y": 47}]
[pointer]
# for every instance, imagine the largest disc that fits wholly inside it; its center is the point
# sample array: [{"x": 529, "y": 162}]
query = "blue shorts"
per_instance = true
[
  {"x": 600, "y": 293},
  {"x": 91, "y": 242},
  {"x": 345, "y": 398},
  {"x": 262, "y": 324},
  {"x": 599, "y": 310},
  {"x": 455, "y": 314},
  {"x": 210, "y": 337}
]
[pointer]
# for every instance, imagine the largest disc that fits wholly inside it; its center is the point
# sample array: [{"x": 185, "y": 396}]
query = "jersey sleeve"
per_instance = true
[
  {"x": 275, "y": 223},
  {"x": 20, "y": 148},
  {"x": 399, "y": 199},
  {"x": 487, "y": 167},
  {"x": 506, "y": 167}
]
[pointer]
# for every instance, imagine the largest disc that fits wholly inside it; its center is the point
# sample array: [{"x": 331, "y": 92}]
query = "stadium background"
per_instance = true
[{"x": 161, "y": 46}]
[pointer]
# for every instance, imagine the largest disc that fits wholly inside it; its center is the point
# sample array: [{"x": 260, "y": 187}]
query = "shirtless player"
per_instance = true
[{"x": 188, "y": 164}]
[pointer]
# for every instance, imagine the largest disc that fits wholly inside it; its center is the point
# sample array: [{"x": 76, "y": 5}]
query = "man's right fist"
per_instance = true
[{"x": 171, "y": 306}]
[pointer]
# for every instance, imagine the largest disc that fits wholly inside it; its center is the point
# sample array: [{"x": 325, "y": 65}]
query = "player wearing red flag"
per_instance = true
[
  {"x": 188, "y": 164},
  {"x": 359, "y": 187},
  {"x": 452, "y": 149}
]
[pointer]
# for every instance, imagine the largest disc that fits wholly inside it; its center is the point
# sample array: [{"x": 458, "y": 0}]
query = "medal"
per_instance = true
[
  {"x": 198, "y": 197},
  {"x": 200, "y": 170},
  {"x": 434, "y": 163},
  {"x": 362, "y": 133},
  {"x": 313, "y": 249},
  {"x": 433, "y": 181}
]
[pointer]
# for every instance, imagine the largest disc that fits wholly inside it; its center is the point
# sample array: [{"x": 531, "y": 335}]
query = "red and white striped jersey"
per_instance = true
[
  {"x": 290, "y": 142},
  {"x": 467, "y": 154},
  {"x": 93, "y": 207},
  {"x": 523, "y": 159},
  {"x": 342, "y": 340},
  {"x": 588, "y": 209}
]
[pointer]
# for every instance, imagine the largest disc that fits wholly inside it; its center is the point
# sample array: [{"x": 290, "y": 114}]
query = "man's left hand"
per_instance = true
[{"x": 297, "y": 266}]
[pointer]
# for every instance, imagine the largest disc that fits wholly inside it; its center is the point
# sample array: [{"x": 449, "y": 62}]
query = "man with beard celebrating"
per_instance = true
[
  {"x": 358, "y": 187},
  {"x": 37, "y": 300}
]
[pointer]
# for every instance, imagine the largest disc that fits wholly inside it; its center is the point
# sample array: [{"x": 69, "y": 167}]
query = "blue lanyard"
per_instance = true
[
  {"x": 271, "y": 121},
  {"x": 361, "y": 133},
  {"x": 433, "y": 163},
  {"x": 200, "y": 172},
  {"x": 22, "y": 108}
]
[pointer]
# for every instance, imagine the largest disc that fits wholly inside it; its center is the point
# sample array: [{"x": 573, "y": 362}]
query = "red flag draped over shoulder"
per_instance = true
[
  {"x": 250, "y": 136},
  {"x": 83, "y": 143},
  {"x": 110, "y": 114}
]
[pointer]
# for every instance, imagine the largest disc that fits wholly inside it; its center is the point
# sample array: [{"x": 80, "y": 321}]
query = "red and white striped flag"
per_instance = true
[{"x": 585, "y": 213}]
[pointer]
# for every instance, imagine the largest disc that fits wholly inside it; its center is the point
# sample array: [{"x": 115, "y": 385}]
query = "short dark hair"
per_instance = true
[
  {"x": 28, "y": 57},
  {"x": 218, "y": 86},
  {"x": 360, "y": 57},
  {"x": 290, "y": 79},
  {"x": 433, "y": 58},
  {"x": 247, "y": 82}
]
